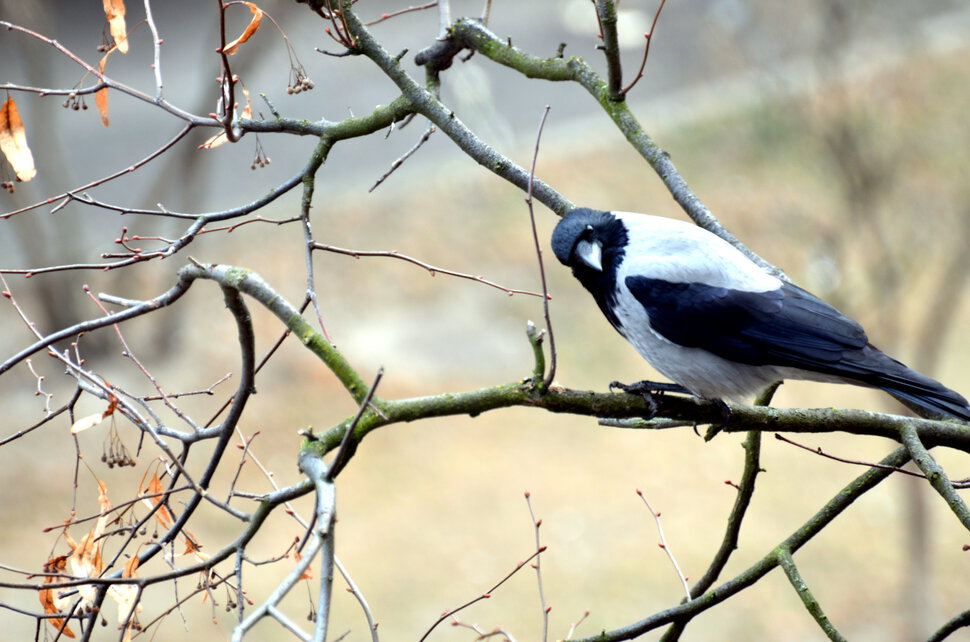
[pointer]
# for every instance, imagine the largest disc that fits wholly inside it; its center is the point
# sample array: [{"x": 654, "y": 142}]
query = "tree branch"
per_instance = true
[
  {"x": 934, "y": 473},
  {"x": 472, "y": 34},
  {"x": 606, "y": 15},
  {"x": 425, "y": 103},
  {"x": 805, "y": 594},
  {"x": 812, "y": 527}
]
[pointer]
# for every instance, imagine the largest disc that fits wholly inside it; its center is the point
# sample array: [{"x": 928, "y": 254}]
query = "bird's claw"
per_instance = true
[
  {"x": 648, "y": 390},
  {"x": 639, "y": 387},
  {"x": 725, "y": 411}
]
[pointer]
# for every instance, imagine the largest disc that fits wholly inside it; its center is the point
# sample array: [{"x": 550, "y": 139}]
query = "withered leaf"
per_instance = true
[
  {"x": 307, "y": 574},
  {"x": 155, "y": 488},
  {"x": 126, "y": 597},
  {"x": 49, "y": 598},
  {"x": 91, "y": 421},
  {"x": 84, "y": 423},
  {"x": 13, "y": 142},
  {"x": 101, "y": 95},
  {"x": 85, "y": 559},
  {"x": 251, "y": 28},
  {"x": 115, "y": 12}
]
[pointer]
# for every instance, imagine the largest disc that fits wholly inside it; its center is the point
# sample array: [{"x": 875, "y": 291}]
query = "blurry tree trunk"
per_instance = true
[{"x": 865, "y": 176}]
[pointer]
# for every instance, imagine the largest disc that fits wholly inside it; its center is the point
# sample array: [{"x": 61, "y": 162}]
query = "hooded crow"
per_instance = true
[{"x": 710, "y": 319}]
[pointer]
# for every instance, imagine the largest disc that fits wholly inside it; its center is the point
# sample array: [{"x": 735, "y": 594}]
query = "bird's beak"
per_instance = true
[{"x": 590, "y": 253}]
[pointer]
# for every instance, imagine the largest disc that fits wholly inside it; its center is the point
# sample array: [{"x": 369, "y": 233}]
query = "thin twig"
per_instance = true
[
  {"x": 547, "y": 380},
  {"x": 818, "y": 451},
  {"x": 663, "y": 544},
  {"x": 400, "y": 161},
  {"x": 575, "y": 625},
  {"x": 306, "y": 204},
  {"x": 123, "y": 172},
  {"x": 40, "y": 392},
  {"x": 130, "y": 354},
  {"x": 394, "y": 14},
  {"x": 355, "y": 591},
  {"x": 105, "y": 81},
  {"x": 156, "y": 50},
  {"x": 433, "y": 270},
  {"x": 832, "y": 509},
  {"x": 732, "y": 530},
  {"x": 484, "y": 596},
  {"x": 646, "y": 50},
  {"x": 349, "y": 442},
  {"x": 536, "y": 524}
]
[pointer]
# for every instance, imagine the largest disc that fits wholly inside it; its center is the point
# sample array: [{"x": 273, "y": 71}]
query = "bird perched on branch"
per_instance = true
[{"x": 720, "y": 326}]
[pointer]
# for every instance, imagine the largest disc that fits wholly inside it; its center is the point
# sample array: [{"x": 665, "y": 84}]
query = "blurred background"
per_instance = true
[{"x": 831, "y": 137}]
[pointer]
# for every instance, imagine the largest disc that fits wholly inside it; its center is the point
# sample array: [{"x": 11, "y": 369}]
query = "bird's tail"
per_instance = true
[{"x": 927, "y": 397}]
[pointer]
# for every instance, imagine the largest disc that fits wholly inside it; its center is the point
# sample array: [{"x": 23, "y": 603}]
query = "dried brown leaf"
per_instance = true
[
  {"x": 91, "y": 421},
  {"x": 307, "y": 574},
  {"x": 13, "y": 142},
  {"x": 115, "y": 12},
  {"x": 126, "y": 597},
  {"x": 50, "y": 599},
  {"x": 85, "y": 559},
  {"x": 131, "y": 566},
  {"x": 215, "y": 141},
  {"x": 84, "y": 423},
  {"x": 101, "y": 95},
  {"x": 251, "y": 28},
  {"x": 154, "y": 487},
  {"x": 247, "y": 111},
  {"x": 190, "y": 546}
]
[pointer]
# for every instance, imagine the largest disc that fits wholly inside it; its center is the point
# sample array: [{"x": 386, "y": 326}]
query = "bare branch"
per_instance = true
[
  {"x": 820, "y": 520},
  {"x": 664, "y": 545},
  {"x": 484, "y": 596},
  {"x": 432, "y": 270},
  {"x": 606, "y": 15},
  {"x": 934, "y": 473},
  {"x": 646, "y": 49},
  {"x": 805, "y": 594},
  {"x": 548, "y": 378},
  {"x": 536, "y": 525}
]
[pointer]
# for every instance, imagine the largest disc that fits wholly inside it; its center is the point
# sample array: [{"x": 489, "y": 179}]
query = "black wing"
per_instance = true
[{"x": 784, "y": 327}]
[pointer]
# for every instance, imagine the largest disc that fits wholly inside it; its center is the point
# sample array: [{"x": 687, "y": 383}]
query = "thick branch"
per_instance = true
[
  {"x": 951, "y": 434},
  {"x": 958, "y": 622},
  {"x": 606, "y": 14},
  {"x": 805, "y": 595},
  {"x": 934, "y": 473},
  {"x": 581, "y": 402}
]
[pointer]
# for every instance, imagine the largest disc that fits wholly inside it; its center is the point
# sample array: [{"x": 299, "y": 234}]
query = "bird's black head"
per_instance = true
[
  {"x": 581, "y": 236},
  {"x": 593, "y": 244}
]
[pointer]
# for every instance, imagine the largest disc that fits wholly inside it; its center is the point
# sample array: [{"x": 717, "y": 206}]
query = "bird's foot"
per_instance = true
[
  {"x": 639, "y": 387},
  {"x": 725, "y": 412},
  {"x": 647, "y": 390}
]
